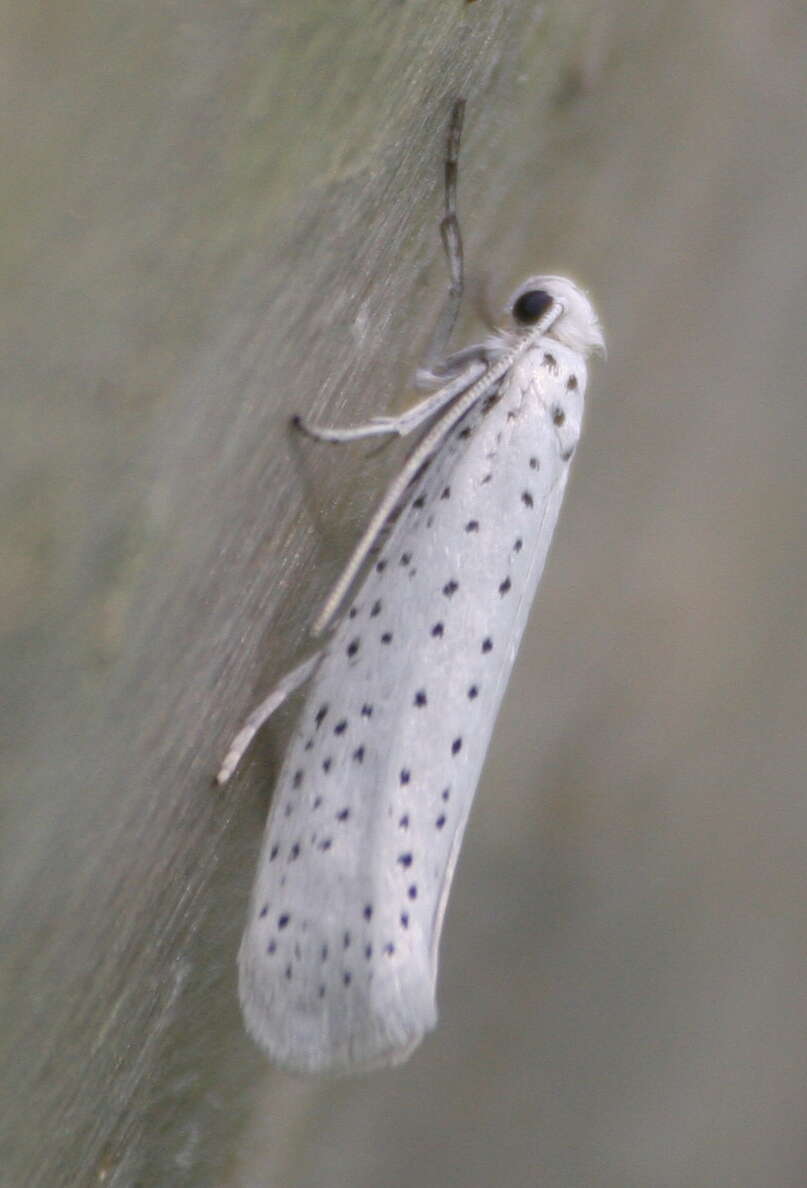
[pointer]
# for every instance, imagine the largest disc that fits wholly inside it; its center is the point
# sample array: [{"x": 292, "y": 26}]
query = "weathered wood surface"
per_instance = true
[{"x": 217, "y": 214}]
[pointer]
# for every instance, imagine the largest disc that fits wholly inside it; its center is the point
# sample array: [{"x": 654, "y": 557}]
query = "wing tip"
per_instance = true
[{"x": 323, "y": 1036}]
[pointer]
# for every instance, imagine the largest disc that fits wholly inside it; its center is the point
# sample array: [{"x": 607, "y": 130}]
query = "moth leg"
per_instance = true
[
  {"x": 378, "y": 427},
  {"x": 407, "y": 421},
  {"x": 291, "y": 681},
  {"x": 452, "y": 245}
]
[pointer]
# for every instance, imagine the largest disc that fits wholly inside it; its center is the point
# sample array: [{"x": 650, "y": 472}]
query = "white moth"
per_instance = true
[{"x": 339, "y": 957}]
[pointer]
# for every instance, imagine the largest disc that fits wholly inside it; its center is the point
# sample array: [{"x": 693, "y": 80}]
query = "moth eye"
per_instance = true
[{"x": 531, "y": 306}]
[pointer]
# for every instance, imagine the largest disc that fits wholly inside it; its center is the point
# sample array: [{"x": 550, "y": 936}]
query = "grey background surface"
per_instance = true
[{"x": 220, "y": 213}]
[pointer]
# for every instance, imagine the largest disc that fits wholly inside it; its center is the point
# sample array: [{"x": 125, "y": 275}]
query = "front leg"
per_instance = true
[{"x": 405, "y": 422}]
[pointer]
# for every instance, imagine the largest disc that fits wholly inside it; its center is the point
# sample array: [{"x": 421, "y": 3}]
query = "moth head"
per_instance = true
[{"x": 576, "y": 324}]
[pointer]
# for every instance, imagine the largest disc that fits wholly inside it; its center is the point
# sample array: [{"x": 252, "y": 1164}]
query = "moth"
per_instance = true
[{"x": 338, "y": 963}]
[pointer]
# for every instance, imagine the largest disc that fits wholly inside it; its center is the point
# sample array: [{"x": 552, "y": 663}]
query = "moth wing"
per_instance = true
[{"x": 339, "y": 960}]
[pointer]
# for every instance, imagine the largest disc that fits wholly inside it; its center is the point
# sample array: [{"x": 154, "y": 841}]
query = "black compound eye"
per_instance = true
[{"x": 531, "y": 306}]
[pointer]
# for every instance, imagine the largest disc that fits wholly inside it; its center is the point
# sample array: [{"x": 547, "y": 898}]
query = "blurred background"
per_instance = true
[{"x": 217, "y": 214}]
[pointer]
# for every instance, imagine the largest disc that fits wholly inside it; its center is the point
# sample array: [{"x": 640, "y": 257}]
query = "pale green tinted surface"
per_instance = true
[{"x": 219, "y": 213}]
